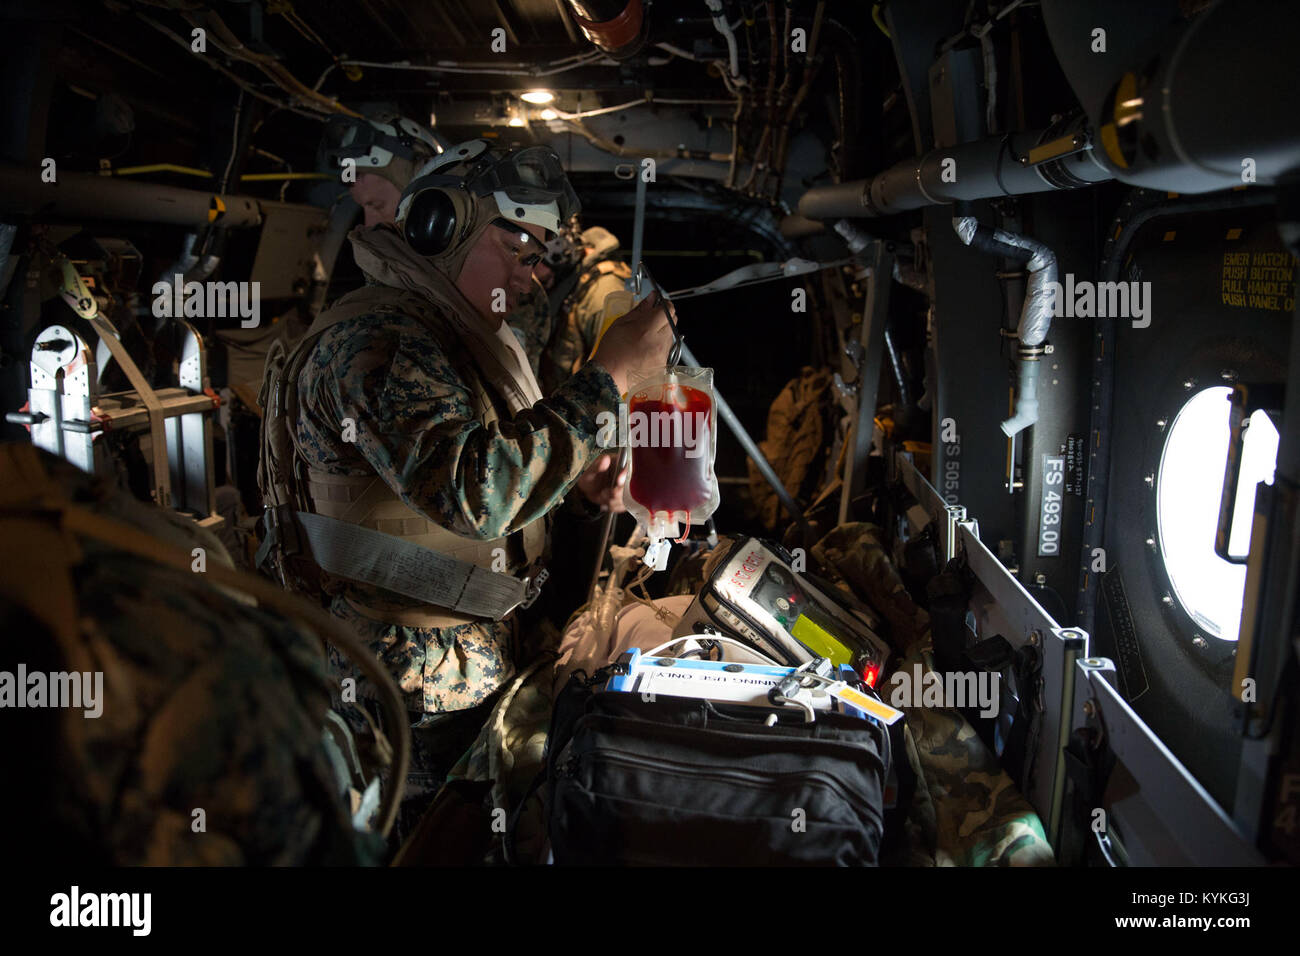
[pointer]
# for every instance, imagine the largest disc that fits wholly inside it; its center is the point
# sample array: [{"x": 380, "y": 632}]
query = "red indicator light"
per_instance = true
[{"x": 870, "y": 673}]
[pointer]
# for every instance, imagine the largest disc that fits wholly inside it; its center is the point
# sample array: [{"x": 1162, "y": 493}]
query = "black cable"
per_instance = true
[
  {"x": 1047, "y": 589},
  {"x": 234, "y": 144},
  {"x": 748, "y": 17}
]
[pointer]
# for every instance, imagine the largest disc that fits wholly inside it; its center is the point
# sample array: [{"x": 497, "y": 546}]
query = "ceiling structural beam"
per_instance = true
[
  {"x": 563, "y": 9},
  {"x": 418, "y": 35},
  {"x": 122, "y": 53},
  {"x": 511, "y": 34},
  {"x": 447, "y": 22},
  {"x": 383, "y": 22}
]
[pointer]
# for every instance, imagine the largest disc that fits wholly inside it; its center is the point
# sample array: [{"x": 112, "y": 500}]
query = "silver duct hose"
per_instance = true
[
  {"x": 1035, "y": 317},
  {"x": 1040, "y": 300},
  {"x": 965, "y": 227},
  {"x": 186, "y": 261},
  {"x": 190, "y": 265},
  {"x": 1026, "y": 395},
  {"x": 909, "y": 276},
  {"x": 720, "y": 23},
  {"x": 855, "y": 238}
]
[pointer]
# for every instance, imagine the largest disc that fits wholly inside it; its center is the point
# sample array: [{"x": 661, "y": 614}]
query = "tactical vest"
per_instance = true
[
  {"x": 586, "y": 277},
  {"x": 291, "y": 486}
]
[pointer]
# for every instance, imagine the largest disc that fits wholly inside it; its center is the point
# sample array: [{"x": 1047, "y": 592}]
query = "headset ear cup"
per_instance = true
[{"x": 431, "y": 222}]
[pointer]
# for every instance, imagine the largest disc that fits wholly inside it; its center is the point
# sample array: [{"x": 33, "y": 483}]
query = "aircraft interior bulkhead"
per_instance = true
[{"x": 650, "y": 433}]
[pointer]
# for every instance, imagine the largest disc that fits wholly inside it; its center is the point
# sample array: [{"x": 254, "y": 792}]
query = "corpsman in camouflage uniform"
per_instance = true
[
  {"x": 388, "y": 150},
  {"x": 533, "y": 323},
  {"x": 416, "y": 423}
]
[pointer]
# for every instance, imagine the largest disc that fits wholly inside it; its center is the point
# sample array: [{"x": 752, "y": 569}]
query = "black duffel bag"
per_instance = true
[{"x": 675, "y": 781}]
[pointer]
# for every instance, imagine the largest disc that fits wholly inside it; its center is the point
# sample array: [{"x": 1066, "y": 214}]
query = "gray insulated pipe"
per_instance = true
[
  {"x": 983, "y": 169},
  {"x": 1036, "y": 316},
  {"x": 78, "y": 196}
]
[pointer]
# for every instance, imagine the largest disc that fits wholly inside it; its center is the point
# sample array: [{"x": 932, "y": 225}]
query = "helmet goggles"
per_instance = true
[
  {"x": 347, "y": 137},
  {"x": 532, "y": 176}
]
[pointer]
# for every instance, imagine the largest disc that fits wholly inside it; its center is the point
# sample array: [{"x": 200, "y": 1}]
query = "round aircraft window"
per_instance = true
[{"x": 1188, "y": 490}]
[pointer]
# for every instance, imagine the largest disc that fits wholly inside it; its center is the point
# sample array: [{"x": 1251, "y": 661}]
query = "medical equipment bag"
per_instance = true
[{"x": 659, "y": 780}]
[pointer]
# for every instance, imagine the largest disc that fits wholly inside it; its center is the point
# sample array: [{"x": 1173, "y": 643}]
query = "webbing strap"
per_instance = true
[{"x": 371, "y": 557}]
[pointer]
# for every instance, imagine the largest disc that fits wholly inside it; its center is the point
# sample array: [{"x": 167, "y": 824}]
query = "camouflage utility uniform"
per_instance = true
[
  {"x": 204, "y": 747},
  {"x": 966, "y": 811},
  {"x": 532, "y": 322},
  {"x": 439, "y": 432}
]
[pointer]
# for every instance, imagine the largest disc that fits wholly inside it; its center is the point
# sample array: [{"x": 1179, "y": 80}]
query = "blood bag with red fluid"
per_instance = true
[
  {"x": 672, "y": 432},
  {"x": 663, "y": 477}
]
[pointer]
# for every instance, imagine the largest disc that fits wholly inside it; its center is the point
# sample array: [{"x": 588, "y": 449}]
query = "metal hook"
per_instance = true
[{"x": 642, "y": 274}]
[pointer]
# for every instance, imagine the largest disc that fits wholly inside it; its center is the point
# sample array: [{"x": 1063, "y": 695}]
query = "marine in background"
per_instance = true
[
  {"x": 387, "y": 149},
  {"x": 579, "y": 298},
  {"x": 206, "y": 738},
  {"x": 573, "y": 275}
]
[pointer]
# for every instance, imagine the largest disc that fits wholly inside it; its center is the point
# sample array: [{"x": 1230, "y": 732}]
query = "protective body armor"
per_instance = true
[{"x": 290, "y": 486}]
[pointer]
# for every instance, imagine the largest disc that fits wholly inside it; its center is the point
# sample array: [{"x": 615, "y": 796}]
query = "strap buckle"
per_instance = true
[
  {"x": 270, "y": 538},
  {"x": 533, "y": 588},
  {"x": 281, "y": 535}
]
